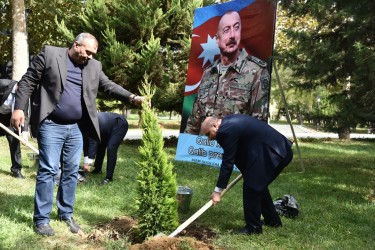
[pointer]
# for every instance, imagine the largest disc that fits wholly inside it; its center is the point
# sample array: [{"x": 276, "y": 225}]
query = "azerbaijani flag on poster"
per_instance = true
[
  {"x": 258, "y": 22},
  {"x": 257, "y": 35}
]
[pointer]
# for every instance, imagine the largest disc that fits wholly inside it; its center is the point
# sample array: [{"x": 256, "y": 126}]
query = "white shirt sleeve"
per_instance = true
[{"x": 218, "y": 190}]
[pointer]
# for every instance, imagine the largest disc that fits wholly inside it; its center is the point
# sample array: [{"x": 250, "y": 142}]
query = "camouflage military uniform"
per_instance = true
[{"x": 243, "y": 89}]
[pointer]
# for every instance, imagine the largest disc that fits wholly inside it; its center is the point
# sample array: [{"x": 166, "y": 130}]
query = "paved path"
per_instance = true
[
  {"x": 133, "y": 134},
  {"x": 303, "y": 132},
  {"x": 300, "y": 131}
]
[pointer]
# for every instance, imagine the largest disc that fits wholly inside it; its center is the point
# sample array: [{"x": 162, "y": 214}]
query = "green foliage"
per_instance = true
[
  {"x": 156, "y": 191},
  {"x": 299, "y": 101},
  {"x": 41, "y": 26},
  {"x": 68, "y": 34},
  {"x": 336, "y": 52},
  {"x": 364, "y": 90},
  {"x": 5, "y": 29}
]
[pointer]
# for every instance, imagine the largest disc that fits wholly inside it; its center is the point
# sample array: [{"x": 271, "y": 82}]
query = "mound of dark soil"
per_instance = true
[{"x": 193, "y": 237}]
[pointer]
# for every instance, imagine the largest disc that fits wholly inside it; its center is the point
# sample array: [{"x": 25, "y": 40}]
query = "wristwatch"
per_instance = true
[{"x": 133, "y": 99}]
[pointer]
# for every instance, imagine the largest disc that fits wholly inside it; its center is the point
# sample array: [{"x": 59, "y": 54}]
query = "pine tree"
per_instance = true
[
  {"x": 337, "y": 54},
  {"x": 138, "y": 37},
  {"x": 156, "y": 191}
]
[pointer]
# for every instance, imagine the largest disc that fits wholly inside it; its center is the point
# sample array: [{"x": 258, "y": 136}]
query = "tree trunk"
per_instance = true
[
  {"x": 344, "y": 133},
  {"x": 299, "y": 116},
  {"x": 277, "y": 118},
  {"x": 126, "y": 112},
  {"x": 140, "y": 119},
  {"x": 19, "y": 40}
]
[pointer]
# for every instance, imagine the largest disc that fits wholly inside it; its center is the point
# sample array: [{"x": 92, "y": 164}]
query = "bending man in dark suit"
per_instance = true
[
  {"x": 67, "y": 82},
  {"x": 260, "y": 153},
  {"x": 113, "y": 128},
  {"x": 8, "y": 90}
]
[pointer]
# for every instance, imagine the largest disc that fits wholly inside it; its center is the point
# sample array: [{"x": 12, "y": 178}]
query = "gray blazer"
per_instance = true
[{"x": 47, "y": 74}]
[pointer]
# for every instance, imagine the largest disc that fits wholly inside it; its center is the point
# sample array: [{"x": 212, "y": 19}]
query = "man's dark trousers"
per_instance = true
[
  {"x": 113, "y": 128},
  {"x": 257, "y": 203}
]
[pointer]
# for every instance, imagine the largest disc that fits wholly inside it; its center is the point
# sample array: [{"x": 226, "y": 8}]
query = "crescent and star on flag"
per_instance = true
[{"x": 210, "y": 50}]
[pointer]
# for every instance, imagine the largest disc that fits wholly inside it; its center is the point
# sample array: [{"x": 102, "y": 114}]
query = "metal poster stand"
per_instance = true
[{"x": 288, "y": 116}]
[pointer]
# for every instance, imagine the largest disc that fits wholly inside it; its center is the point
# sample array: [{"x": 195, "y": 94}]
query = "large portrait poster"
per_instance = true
[{"x": 244, "y": 30}]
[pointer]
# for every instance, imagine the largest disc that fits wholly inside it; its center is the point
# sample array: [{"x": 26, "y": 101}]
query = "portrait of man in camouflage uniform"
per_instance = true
[{"x": 236, "y": 83}]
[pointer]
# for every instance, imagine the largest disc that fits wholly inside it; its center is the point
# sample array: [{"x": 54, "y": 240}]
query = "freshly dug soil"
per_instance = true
[
  {"x": 166, "y": 242},
  {"x": 193, "y": 237}
]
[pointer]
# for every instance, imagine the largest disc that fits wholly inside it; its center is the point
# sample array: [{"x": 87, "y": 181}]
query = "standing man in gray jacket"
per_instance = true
[{"x": 67, "y": 82}]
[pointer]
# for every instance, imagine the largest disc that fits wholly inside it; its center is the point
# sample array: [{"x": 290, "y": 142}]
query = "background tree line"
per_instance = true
[
  {"x": 329, "y": 46},
  {"x": 322, "y": 48}
]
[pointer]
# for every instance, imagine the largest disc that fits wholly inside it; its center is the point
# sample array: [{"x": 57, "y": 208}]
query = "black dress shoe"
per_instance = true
[
  {"x": 106, "y": 181},
  {"x": 74, "y": 228},
  {"x": 245, "y": 231},
  {"x": 81, "y": 176},
  {"x": 44, "y": 229},
  {"x": 96, "y": 171},
  {"x": 18, "y": 174}
]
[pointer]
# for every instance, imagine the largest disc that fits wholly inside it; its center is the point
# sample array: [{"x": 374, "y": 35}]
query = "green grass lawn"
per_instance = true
[
  {"x": 335, "y": 196},
  {"x": 164, "y": 122}
]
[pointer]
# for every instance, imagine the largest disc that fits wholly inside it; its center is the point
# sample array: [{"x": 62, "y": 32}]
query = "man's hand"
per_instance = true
[
  {"x": 86, "y": 167},
  {"x": 138, "y": 100},
  {"x": 215, "y": 197},
  {"x": 18, "y": 119}
]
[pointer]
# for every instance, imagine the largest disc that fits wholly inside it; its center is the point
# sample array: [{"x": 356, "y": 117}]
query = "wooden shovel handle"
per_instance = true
[
  {"x": 203, "y": 209},
  {"x": 18, "y": 137}
]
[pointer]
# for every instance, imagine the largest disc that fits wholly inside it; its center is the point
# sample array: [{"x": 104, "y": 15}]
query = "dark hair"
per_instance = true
[{"x": 226, "y": 13}]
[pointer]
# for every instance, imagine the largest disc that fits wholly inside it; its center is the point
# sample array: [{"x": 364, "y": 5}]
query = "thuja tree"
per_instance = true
[{"x": 156, "y": 190}]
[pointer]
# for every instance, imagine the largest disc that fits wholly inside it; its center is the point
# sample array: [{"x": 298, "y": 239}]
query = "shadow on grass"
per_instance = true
[
  {"x": 13, "y": 207},
  {"x": 6, "y": 172}
]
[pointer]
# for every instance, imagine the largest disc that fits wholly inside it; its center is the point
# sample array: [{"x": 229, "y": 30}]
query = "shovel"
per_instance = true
[
  {"x": 18, "y": 137},
  {"x": 202, "y": 210}
]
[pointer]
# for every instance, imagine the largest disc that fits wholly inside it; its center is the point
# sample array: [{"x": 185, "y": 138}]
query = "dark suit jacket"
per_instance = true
[
  {"x": 6, "y": 87},
  {"x": 255, "y": 147},
  {"x": 107, "y": 124},
  {"x": 48, "y": 71}
]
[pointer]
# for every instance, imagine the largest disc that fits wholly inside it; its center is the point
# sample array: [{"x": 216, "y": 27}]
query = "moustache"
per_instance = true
[{"x": 231, "y": 42}]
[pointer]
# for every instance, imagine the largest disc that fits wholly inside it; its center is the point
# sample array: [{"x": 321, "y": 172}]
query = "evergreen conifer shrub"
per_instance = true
[{"x": 156, "y": 191}]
